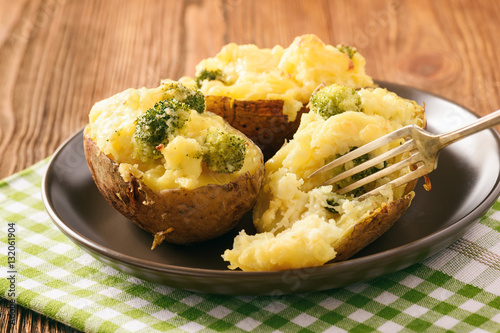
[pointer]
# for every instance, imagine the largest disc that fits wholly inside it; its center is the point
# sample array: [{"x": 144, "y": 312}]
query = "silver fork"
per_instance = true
[{"x": 423, "y": 147}]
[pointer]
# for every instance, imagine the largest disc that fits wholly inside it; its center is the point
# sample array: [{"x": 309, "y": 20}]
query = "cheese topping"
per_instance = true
[
  {"x": 290, "y": 74},
  {"x": 112, "y": 123},
  {"x": 298, "y": 227}
]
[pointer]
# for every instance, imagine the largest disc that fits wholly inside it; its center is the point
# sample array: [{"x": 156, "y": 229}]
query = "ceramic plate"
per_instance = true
[{"x": 464, "y": 186}]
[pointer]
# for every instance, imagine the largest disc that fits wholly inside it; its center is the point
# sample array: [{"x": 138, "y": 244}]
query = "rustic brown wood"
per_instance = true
[
  {"x": 58, "y": 57},
  {"x": 28, "y": 321}
]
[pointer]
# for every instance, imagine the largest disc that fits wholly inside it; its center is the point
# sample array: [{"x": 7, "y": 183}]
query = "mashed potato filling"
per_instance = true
[
  {"x": 290, "y": 74},
  {"x": 112, "y": 123},
  {"x": 299, "y": 225}
]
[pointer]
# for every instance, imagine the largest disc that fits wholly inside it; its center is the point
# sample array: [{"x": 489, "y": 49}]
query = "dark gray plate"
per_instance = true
[{"x": 464, "y": 187}]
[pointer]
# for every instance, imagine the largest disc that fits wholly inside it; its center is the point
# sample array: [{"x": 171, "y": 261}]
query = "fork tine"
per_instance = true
[
  {"x": 421, "y": 170},
  {"x": 415, "y": 158},
  {"x": 407, "y": 146},
  {"x": 380, "y": 142}
]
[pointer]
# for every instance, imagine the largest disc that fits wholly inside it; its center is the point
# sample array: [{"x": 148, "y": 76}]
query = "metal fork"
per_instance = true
[{"x": 423, "y": 147}]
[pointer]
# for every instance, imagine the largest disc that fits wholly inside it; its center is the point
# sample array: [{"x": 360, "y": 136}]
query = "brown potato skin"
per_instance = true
[
  {"x": 192, "y": 215},
  {"x": 371, "y": 228},
  {"x": 379, "y": 221},
  {"x": 262, "y": 121}
]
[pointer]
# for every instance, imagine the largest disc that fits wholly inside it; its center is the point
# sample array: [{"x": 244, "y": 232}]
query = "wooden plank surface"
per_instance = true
[{"x": 58, "y": 57}]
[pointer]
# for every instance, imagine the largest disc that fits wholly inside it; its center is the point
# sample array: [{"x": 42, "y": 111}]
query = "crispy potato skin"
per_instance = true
[
  {"x": 359, "y": 235},
  {"x": 379, "y": 221},
  {"x": 189, "y": 215},
  {"x": 262, "y": 121},
  {"x": 371, "y": 228}
]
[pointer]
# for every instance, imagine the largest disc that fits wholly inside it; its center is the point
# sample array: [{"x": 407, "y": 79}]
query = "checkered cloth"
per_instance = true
[{"x": 458, "y": 289}]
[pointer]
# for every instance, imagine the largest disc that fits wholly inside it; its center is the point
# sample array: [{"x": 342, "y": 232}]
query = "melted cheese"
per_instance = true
[
  {"x": 112, "y": 125},
  {"x": 290, "y": 74},
  {"x": 288, "y": 215}
]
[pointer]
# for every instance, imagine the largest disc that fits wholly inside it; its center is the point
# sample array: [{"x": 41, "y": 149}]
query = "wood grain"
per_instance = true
[
  {"x": 28, "y": 321},
  {"x": 58, "y": 57}
]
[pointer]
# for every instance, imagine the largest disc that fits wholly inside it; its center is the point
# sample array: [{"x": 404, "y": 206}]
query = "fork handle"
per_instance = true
[{"x": 483, "y": 123}]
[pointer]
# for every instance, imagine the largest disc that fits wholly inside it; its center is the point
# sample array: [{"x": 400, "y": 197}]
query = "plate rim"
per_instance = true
[{"x": 476, "y": 213}]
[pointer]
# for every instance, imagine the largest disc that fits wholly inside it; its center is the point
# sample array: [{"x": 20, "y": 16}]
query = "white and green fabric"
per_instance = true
[{"x": 456, "y": 290}]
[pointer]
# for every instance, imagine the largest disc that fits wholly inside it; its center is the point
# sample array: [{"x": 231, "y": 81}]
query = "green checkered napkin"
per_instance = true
[{"x": 456, "y": 290}]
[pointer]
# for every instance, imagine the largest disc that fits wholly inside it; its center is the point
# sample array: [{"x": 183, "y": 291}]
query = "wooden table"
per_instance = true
[{"x": 58, "y": 57}]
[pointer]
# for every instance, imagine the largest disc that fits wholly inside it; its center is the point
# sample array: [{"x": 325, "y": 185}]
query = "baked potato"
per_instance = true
[
  {"x": 179, "y": 172},
  {"x": 301, "y": 224},
  {"x": 262, "y": 92}
]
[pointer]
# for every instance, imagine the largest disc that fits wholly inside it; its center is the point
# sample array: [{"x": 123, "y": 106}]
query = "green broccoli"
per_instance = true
[
  {"x": 209, "y": 75},
  {"x": 224, "y": 152},
  {"x": 155, "y": 127},
  {"x": 360, "y": 175},
  {"x": 332, "y": 202},
  {"x": 349, "y": 50},
  {"x": 193, "y": 98},
  {"x": 334, "y": 99},
  {"x": 365, "y": 173}
]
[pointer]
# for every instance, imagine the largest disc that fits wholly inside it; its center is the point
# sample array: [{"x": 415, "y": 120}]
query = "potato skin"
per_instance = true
[
  {"x": 185, "y": 216},
  {"x": 262, "y": 121},
  {"x": 355, "y": 235},
  {"x": 371, "y": 228},
  {"x": 379, "y": 221}
]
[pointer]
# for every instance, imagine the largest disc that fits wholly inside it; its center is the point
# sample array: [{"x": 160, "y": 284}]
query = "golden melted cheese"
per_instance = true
[
  {"x": 290, "y": 74},
  {"x": 112, "y": 124},
  {"x": 294, "y": 228}
]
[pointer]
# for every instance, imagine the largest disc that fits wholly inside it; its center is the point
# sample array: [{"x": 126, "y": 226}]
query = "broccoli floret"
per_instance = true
[
  {"x": 155, "y": 126},
  {"x": 193, "y": 98},
  {"x": 365, "y": 173},
  {"x": 334, "y": 99},
  {"x": 349, "y": 50},
  {"x": 209, "y": 75},
  {"x": 224, "y": 152},
  {"x": 360, "y": 175}
]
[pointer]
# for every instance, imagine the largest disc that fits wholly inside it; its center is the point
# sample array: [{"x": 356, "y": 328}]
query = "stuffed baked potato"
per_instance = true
[
  {"x": 262, "y": 92},
  {"x": 177, "y": 171},
  {"x": 301, "y": 224}
]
